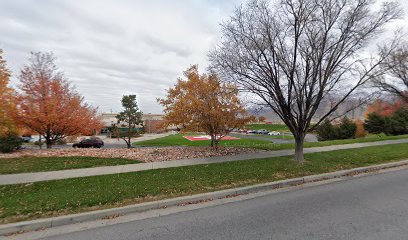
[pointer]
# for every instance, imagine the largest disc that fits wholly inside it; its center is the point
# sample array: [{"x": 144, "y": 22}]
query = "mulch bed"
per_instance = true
[{"x": 141, "y": 154}]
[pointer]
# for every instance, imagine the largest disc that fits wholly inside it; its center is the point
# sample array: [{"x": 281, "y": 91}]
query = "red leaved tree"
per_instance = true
[
  {"x": 7, "y": 100},
  {"x": 385, "y": 109},
  {"x": 49, "y": 105}
]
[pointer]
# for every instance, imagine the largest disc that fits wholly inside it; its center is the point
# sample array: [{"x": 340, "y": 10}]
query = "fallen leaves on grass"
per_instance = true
[{"x": 141, "y": 154}]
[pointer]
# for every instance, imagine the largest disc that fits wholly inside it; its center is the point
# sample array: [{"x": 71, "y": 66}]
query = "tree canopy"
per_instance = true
[
  {"x": 292, "y": 54},
  {"x": 7, "y": 99},
  {"x": 49, "y": 105},
  {"x": 396, "y": 79},
  {"x": 130, "y": 117},
  {"x": 203, "y": 103}
]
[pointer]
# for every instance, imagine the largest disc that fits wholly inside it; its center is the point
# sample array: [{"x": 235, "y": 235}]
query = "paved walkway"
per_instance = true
[
  {"x": 74, "y": 173},
  {"x": 144, "y": 137}
]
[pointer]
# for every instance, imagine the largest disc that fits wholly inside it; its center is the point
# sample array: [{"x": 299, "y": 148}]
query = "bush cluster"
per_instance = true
[
  {"x": 10, "y": 142},
  {"x": 360, "y": 131},
  {"x": 345, "y": 130},
  {"x": 396, "y": 124}
]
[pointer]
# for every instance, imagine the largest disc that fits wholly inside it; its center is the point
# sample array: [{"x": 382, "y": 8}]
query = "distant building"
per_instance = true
[{"x": 152, "y": 123}]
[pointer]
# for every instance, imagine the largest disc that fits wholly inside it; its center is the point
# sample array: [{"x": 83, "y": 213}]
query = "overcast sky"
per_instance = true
[{"x": 109, "y": 48}]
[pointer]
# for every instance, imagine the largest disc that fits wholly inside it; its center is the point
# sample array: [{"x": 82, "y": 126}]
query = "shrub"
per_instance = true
[
  {"x": 61, "y": 141},
  {"x": 397, "y": 123},
  {"x": 10, "y": 142},
  {"x": 375, "y": 123},
  {"x": 360, "y": 130},
  {"x": 325, "y": 131},
  {"x": 38, "y": 143},
  {"x": 346, "y": 129}
]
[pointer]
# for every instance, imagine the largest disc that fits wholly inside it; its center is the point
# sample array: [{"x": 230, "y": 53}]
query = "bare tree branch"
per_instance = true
[{"x": 292, "y": 54}]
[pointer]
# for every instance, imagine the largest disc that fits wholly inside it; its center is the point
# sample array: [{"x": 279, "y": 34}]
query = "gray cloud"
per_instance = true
[{"x": 110, "y": 48}]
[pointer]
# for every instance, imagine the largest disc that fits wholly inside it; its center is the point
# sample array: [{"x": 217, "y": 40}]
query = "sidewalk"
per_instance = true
[
  {"x": 64, "y": 174},
  {"x": 144, "y": 137},
  {"x": 44, "y": 228}
]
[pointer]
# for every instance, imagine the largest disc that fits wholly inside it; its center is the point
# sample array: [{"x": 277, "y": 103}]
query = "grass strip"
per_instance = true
[
  {"x": 269, "y": 127},
  {"x": 53, "y": 198},
  {"x": 178, "y": 140},
  {"x": 44, "y": 164}
]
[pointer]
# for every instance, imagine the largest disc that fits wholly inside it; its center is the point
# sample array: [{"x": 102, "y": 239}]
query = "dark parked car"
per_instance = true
[
  {"x": 262, "y": 131},
  {"x": 26, "y": 139},
  {"x": 89, "y": 143}
]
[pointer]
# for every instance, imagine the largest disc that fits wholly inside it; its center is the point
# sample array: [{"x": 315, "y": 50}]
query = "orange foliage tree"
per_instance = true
[
  {"x": 49, "y": 105},
  {"x": 205, "y": 104},
  {"x": 360, "y": 130},
  {"x": 261, "y": 119},
  {"x": 384, "y": 109},
  {"x": 7, "y": 100},
  {"x": 375, "y": 107}
]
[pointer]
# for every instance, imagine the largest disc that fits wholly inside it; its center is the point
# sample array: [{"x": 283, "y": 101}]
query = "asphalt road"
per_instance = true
[{"x": 372, "y": 207}]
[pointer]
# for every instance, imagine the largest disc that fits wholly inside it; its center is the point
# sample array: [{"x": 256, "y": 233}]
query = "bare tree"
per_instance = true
[
  {"x": 293, "y": 53},
  {"x": 396, "y": 67}
]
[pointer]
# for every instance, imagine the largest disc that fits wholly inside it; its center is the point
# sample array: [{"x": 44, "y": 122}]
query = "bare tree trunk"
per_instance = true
[
  {"x": 216, "y": 143},
  {"x": 48, "y": 142},
  {"x": 299, "y": 156},
  {"x": 40, "y": 141},
  {"x": 212, "y": 140},
  {"x": 128, "y": 142}
]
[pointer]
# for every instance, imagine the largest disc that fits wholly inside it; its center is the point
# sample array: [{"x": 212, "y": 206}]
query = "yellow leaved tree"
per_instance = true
[{"x": 204, "y": 103}]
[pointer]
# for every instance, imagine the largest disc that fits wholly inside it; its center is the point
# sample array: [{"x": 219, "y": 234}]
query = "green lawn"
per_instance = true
[
  {"x": 269, "y": 127},
  {"x": 179, "y": 140},
  {"x": 53, "y": 198},
  {"x": 43, "y": 164},
  {"x": 370, "y": 138}
]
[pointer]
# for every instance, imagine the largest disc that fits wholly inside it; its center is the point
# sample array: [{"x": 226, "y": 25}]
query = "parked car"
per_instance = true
[
  {"x": 26, "y": 139},
  {"x": 252, "y": 131},
  {"x": 274, "y": 133},
  {"x": 89, "y": 143},
  {"x": 262, "y": 131}
]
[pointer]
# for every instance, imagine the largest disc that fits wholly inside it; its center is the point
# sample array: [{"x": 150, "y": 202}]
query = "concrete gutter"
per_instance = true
[{"x": 19, "y": 227}]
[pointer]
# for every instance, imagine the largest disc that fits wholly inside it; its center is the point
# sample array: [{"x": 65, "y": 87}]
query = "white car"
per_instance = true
[{"x": 274, "y": 133}]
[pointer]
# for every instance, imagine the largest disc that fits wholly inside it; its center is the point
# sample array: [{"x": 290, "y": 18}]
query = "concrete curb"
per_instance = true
[{"x": 7, "y": 229}]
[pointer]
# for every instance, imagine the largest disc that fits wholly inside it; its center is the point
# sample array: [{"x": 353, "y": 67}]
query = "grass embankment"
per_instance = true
[
  {"x": 178, "y": 140},
  {"x": 52, "y": 198},
  {"x": 269, "y": 127},
  {"x": 44, "y": 164}
]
